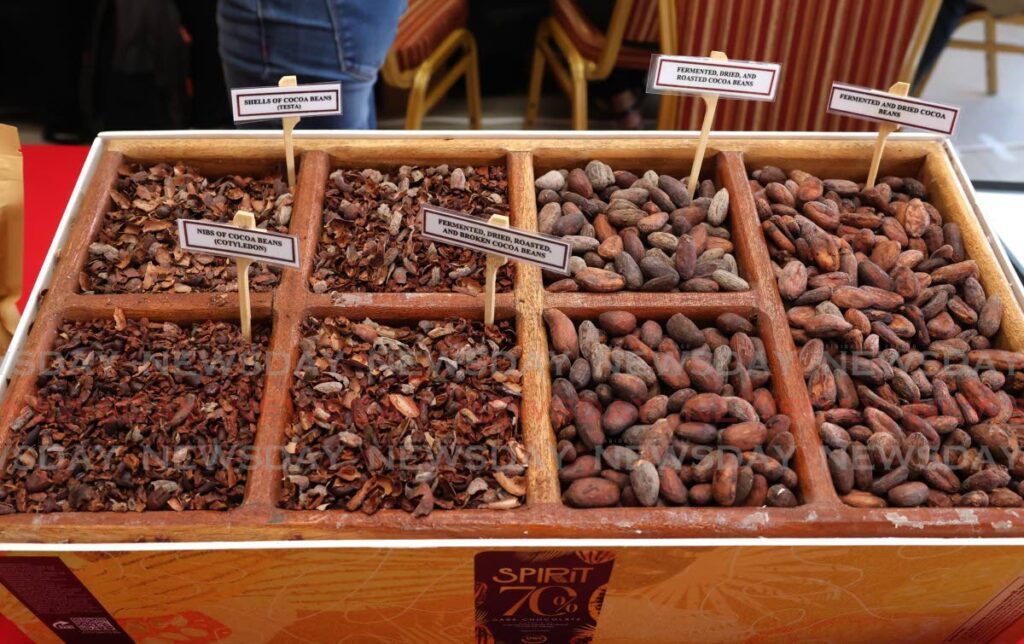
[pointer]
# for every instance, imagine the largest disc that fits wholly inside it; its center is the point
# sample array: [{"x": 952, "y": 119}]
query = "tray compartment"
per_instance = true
[
  {"x": 704, "y": 317},
  {"x": 135, "y": 249},
  {"x": 675, "y": 164},
  {"x": 89, "y": 447},
  {"x": 392, "y": 456},
  {"x": 930, "y": 164},
  {"x": 99, "y": 203},
  {"x": 368, "y": 239}
]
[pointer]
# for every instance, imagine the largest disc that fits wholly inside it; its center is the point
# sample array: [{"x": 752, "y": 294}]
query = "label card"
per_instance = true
[
  {"x": 749, "y": 80},
  {"x": 540, "y": 596},
  {"x": 225, "y": 240},
  {"x": 48, "y": 588},
  {"x": 264, "y": 103},
  {"x": 883, "y": 107},
  {"x": 455, "y": 228}
]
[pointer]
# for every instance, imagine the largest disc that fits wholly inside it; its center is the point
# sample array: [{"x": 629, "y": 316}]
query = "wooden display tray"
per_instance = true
[{"x": 821, "y": 513}]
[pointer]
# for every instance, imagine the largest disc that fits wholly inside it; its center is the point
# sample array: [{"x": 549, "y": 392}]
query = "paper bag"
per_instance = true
[{"x": 12, "y": 232}]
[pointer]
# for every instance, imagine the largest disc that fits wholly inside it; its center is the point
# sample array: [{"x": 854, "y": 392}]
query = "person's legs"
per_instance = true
[
  {"x": 622, "y": 93},
  {"x": 317, "y": 41}
]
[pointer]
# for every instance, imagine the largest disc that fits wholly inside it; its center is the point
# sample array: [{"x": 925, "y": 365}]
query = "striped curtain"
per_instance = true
[{"x": 862, "y": 42}]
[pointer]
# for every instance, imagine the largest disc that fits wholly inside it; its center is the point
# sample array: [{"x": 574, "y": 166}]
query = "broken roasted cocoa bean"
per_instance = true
[{"x": 417, "y": 418}]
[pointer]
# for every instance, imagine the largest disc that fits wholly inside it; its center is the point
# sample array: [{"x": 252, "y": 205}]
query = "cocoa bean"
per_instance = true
[
  {"x": 908, "y": 495},
  {"x": 682, "y": 329},
  {"x": 990, "y": 318},
  {"x": 618, "y": 416},
  {"x": 562, "y": 332},
  {"x": 592, "y": 493},
  {"x": 841, "y": 468},
  {"x": 705, "y": 408},
  {"x": 645, "y": 481},
  {"x": 723, "y": 487},
  {"x": 863, "y": 500},
  {"x": 780, "y": 496},
  {"x": 584, "y": 466},
  {"x": 588, "y": 424},
  {"x": 671, "y": 487},
  {"x": 600, "y": 281},
  {"x": 629, "y": 387},
  {"x": 744, "y": 436}
]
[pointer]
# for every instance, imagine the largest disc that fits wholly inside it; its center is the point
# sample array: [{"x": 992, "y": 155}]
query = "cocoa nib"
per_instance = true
[
  {"x": 649, "y": 413},
  {"x": 915, "y": 404},
  {"x": 370, "y": 239},
  {"x": 136, "y": 249},
  {"x": 133, "y": 415},
  {"x": 416, "y": 418}
]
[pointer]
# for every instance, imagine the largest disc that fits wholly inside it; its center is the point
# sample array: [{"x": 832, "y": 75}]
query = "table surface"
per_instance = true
[{"x": 50, "y": 175}]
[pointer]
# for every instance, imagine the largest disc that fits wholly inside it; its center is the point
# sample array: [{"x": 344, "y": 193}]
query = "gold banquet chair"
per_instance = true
[
  {"x": 429, "y": 34},
  {"x": 588, "y": 54},
  {"x": 989, "y": 44}
]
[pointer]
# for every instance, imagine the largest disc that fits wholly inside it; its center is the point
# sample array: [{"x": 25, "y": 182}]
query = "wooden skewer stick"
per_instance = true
[
  {"x": 494, "y": 262},
  {"x": 244, "y": 219},
  {"x": 899, "y": 89},
  {"x": 710, "y": 105},
  {"x": 289, "y": 123}
]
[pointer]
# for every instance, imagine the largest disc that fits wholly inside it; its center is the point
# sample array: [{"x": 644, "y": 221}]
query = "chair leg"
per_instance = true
[
  {"x": 991, "y": 64},
  {"x": 579, "y": 96},
  {"x": 473, "y": 102},
  {"x": 919, "y": 88},
  {"x": 536, "y": 78},
  {"x": 417, "y": 107}
]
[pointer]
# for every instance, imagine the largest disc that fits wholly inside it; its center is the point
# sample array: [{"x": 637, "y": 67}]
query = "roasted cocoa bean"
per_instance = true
[{"x": 659, "y": 426}]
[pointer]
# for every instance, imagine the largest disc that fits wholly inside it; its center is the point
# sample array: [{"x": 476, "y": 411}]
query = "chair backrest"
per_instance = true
[
  {"x": 874, "y": 43},
  {"x": 642, "y": 24}
]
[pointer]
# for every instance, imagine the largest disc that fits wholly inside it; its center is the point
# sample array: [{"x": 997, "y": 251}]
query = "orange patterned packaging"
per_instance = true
[{"x": 708, "y": 593}]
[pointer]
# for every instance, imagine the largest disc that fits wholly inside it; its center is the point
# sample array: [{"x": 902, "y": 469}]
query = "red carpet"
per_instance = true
[{"x": 50, "y": 175}]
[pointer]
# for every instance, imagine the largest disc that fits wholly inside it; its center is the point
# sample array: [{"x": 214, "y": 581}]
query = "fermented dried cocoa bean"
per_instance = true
[{"x": 915, "y": 405}]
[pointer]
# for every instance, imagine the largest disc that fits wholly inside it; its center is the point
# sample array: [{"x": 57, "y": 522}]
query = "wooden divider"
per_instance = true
[{"x": 787, "y": 376}]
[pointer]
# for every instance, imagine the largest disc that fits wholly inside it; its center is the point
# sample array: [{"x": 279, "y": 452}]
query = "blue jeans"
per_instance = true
[{"x": 318, "y": 41}]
